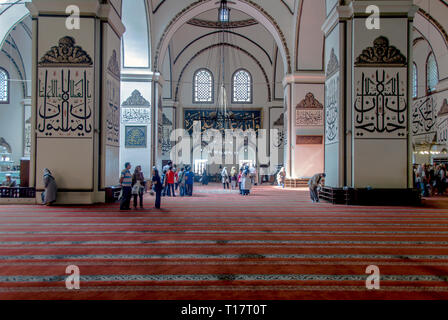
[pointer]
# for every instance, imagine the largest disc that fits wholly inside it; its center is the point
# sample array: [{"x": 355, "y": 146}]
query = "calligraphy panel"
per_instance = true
[
  {"x": 135, "y": 115},
  {"x": 65, "y": 102},
  {"x": 309, "y": 117},
  {"x": 424, "y": 119},
  {"x": 168, "y": 121},
  {"x": 112, "y": 103},
  {"x": 135, "y": 136},
  {"x": 380, "y": 103},
  {"x": 243, "y": 120},
  {"x": 332, "y": 109},
  {"x": 277, "y": 121}
]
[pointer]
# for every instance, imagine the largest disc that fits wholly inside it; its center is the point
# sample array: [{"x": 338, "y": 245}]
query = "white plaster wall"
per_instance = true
[
  {"x": 136, "y": 156},
  {"x": 12, "y": 114}
]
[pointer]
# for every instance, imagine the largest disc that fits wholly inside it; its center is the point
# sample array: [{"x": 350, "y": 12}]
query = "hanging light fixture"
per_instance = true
[{"x": 224, "y": 12}]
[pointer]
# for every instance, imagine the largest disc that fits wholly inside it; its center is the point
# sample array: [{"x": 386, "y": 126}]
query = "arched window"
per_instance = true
[
  {"x": 432, "y": 75},
  {"x": 4, "y": 86},
  {"x": 241, "y": 87},
  {"x": 414, "y": 81},
  {"x": 203, "y": 86}
]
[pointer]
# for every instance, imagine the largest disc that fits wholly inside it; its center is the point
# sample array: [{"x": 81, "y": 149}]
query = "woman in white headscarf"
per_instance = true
[
  {"x": 225, "y": 178},
  {"x": 51, "y": 189}
]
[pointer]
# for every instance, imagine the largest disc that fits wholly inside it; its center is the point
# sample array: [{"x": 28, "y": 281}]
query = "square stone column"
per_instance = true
[
  {"x": 76, "y": 99},
  {"x": 367, "y": 95}
]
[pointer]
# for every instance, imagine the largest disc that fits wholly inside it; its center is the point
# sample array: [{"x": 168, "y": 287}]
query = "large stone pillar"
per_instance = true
[
  {"x": 367, "y": 96},
  {"x": 76, "y": 99}
]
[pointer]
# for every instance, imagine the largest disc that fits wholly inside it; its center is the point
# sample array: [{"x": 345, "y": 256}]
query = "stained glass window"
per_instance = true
[
  {"x": 414, "y": 81},
  {"x": 432, "y": 75},
  {"x": 4, "y": 90},
  {"x": 203, "y": 86},
  {"x": 242, "y": 87}
]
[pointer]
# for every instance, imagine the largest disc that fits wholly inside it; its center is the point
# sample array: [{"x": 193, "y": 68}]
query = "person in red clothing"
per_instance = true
[
  {"x": 176, "y": 178},
  {"x": 170, "y": 182}
]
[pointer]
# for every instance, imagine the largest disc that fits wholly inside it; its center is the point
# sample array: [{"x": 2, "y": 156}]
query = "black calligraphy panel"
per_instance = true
[
  {"x": 65, "y": 102},
  {"x": 380, "y": 103},
  {"x": 243, "y": 120},
  {"x": 424, "y": 119},
  {"x": 332, "y": 109}
]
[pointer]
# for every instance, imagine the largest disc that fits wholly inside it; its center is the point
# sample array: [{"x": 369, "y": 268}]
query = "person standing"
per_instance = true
[
  {"x": 240, "y": 178},
  {"x": 181, "y": 182},
  {"x": 189, "y": 181},
  {"x": 51, "y": 189},
  {"x": 246, "y": 181},
  {"x": 204, "y": 178},
  {"x": 157, "y": 186},
  {"x": 225, "y": 178},
  {"x": 233, "y": 178},
  {"x": 170, "y": 182},
  {"x": 176, "y": 177},
  {"x": 138, "y": 186},
  {"x": 313, "y": 184},
  {"x": 126, "y": 187}
]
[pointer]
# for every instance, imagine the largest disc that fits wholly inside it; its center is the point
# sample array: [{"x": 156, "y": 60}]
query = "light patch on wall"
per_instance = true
[{"x": 136, "y": 37}]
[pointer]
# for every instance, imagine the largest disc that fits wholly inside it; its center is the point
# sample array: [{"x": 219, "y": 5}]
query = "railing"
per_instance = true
[{"x": 23, "y": 193}]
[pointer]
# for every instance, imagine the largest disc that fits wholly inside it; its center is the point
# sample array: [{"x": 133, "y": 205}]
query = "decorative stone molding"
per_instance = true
[
  {"x": 136, "y": 99},
  {"x": 443, "y": 109},
  {"x": 310, "y": 102},
  {"x": 309, "y": 139},
  {"x": 333, "y": 64},
  {"x": 113, "y": 66},
  {"x": 218, "y": 25},
  {"x": 382, "y": 53},
  {"x": 280, "y": 121},
  {"x": 66, "y": 53},
  {"x": 5, "y": 144}
]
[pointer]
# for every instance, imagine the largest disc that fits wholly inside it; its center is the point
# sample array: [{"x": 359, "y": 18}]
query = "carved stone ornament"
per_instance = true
[
  {"x": 113, "y": 66},
  {"x": 280, "y": 121},
  {"x": 381, "y": 54},
  {"x": 333, "y": 64},
  {"x": 66, "y": 54},
  {"x": 443, "y": 109},
  {"x": 310, "y": 102},
  {"x": 166, "y": 121},
  {"x": 136, "y": 99}
]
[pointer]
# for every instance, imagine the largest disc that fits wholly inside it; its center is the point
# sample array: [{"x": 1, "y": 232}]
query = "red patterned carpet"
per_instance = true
[{"x": 274, "y": 244}]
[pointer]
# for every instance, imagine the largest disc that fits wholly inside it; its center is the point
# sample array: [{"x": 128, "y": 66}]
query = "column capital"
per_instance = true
[
  {"x": 86, "y": 7},
  {"x": 386, "y": 7},
  {"x": 338, "y": 14},
  {"x": 304, "y": 77}
]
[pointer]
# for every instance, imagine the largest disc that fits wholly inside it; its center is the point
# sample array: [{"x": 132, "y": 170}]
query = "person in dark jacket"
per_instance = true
[
  {"x": 157, "y": 186},
  {"x": 138, "y": 186}
]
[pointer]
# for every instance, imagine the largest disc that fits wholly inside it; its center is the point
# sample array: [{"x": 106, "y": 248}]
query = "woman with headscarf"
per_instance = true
[
  {"x": 138, "y": 186},
  {"x": 225, "y": 178},
  {"x": 157, "y": 186},
  {"x": 51, "y": 189},
  {"x": 246, "y": 181},
  {"x": 281, "y": 177},
  {"x": 233, "y": 178}
]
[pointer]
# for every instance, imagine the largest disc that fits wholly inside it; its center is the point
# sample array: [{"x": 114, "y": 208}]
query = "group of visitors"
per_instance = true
[
  {"x": 430, "y": 179},
  {"x": 162, "y": 185},
  {"x": 173, "y": 180}
]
